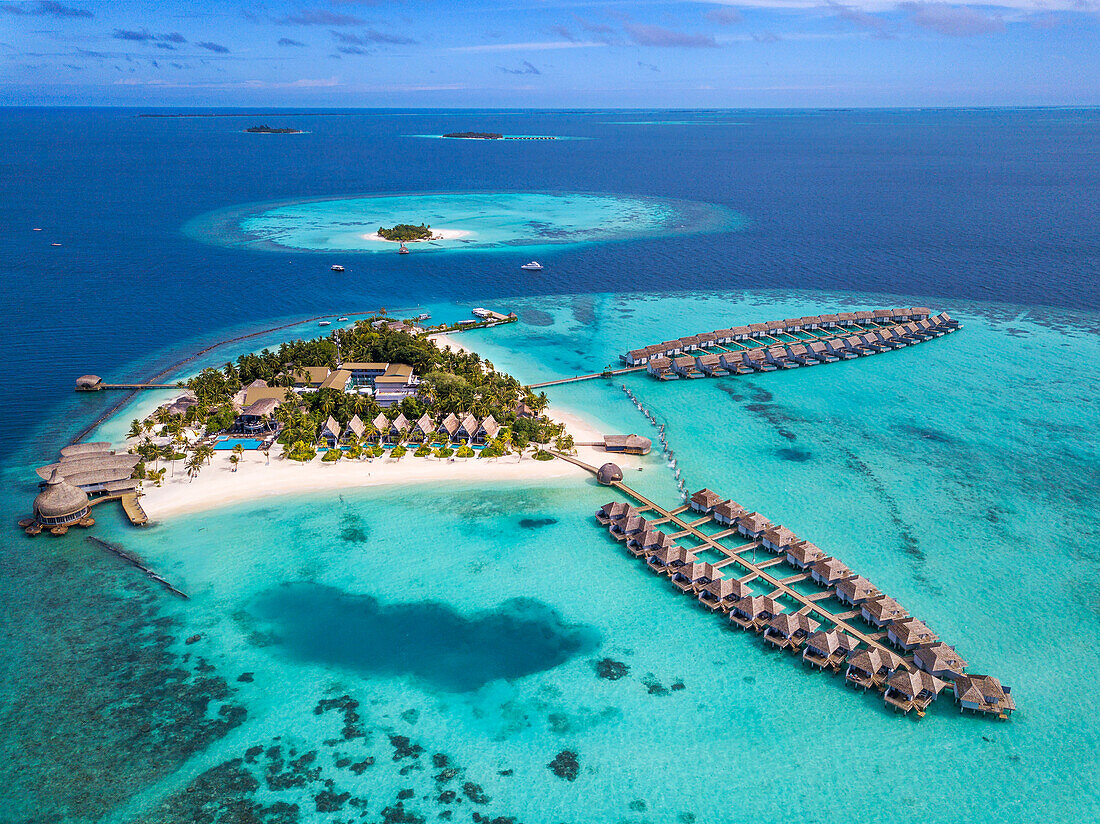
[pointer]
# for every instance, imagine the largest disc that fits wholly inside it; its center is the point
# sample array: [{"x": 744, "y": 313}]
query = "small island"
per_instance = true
[
  {"x": 476, "y": 135},
  {"x": 265, "y": 129},
  {"x": 405, "y": 232}
]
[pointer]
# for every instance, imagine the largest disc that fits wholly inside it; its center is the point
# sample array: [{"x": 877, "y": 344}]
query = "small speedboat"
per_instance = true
[
  {"x": 36, "y": 229},
  {"x": 324, "y": 323},
  {"x": 341, "y": 320},
  {"x": 55, "y": 244},
  {"x": 533, "y": 266},
  {"x": 402, "y": 249},
  {"x": 336, "y": 267}
]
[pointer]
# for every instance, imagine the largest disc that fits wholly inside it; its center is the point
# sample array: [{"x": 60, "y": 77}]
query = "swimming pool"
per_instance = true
[{"x": 245, "y": 443}]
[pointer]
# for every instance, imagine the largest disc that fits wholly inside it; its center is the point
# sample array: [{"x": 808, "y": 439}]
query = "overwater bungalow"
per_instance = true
[
  {"x": 871, "y": 343},
  {"x": 753, "y": 611},
  {"x": 694, "y": 576},
  {"x": 704, "y": 501},
  {"x": 910, "y": 633},
  {"x": 734, "y": 363},
  {"x": 853, "y": 343},
  {"x": 881, "y": 315},
  {"x": 487, "y": 430},
  {"x": 778, "y": 539},
  {"x": 670, "y": 558},
  {"x": 777, "y": 356},
  {"x": 424, "y": 428},
  {"x": 984, "y": 694},
  {"x": 707, "y": 339},
  {"x": 740, "y": 333},
  {"x": 907, "y": 690},
  {"x": 711, "y": 365},
  {"x": 846, "y": 319},
  {"x": 355, "y": 429},
  {"x": 661, "y": 367},
  {"x": 891, "y": 338},
  {"x": 756, "y": 360},
  {"x": 624, "y": 528},
  {"x": 803, "y": 554},
  {"x": 774, "y": 327},
  {"x": 792, "y": 325},
  {"x": 856, "y": 590},
  {"x": 789, "y": 630},
  {"x": 399, "y": 427},
  {"x": 648, "y": 542},
  {"x": 801, "y": 355},
  {"x": 635, "y": 357},
  {"x": 944, "y": 319},
  {"x": 829, "y": 571},
  {"x": 467, "y": 430},
  {"x": 930, "y": 328},
  {"x": 840, "y": 349},
  {"x": 691, "y": 343},
  {"x": 913, "y": 332},
  {"x": 330, "y": 432},
  {"x": 869, "y": 668},
  {"x": 727, "y": 512},
  {"x": 940, "y": 660},
  {"x": 757, "y": 329},
  {"x": 881, "y": 611},
  {"x": 828, "y": 648},
  {"x": 58, "y": 506},
  {"x": 614, "y": 511},
  {"x": 721, "y": 593},
  {"x": 753, "y": 525},
  {"x": 685, "y": 367},
  {"x": 448, "y": 427}
]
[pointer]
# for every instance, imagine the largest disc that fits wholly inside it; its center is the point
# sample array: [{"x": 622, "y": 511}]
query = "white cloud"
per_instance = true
[{"x": 542, "y": 46}]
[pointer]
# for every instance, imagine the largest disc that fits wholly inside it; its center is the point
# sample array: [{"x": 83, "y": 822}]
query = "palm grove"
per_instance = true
[{"x": 451, "y": 382}]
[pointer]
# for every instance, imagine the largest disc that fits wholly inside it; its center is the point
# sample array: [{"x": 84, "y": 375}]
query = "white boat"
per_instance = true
[
  {"x": 533, "y": 266},
  {"x": 424, "y": 316},
  {"x": 341, "y": 320},
  {"x": 403, "y": 249},
  {"x": 482, "y": 313},
  {"x": 336, "y": 267},
  {"x": 324, "y": 323}
]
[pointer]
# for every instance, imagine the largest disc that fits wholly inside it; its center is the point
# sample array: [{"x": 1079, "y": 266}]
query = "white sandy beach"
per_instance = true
[
  {"x": 218, "y": 485},
  {"x": 437, "y": 234}
]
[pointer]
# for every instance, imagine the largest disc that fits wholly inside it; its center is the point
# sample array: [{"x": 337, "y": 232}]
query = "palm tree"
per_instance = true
[
  {"x": 234, "y": 459},
  {"x": 194, "y": 465},
  {"x": 267, "y": 457},
  {"x": 155, "y": 475},
  {"x": 205, "y": 452},
  {"x": 135, "y": 429},
  {"x": 148, "y": 425}
]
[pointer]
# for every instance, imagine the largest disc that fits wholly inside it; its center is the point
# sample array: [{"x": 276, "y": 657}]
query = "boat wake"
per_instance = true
[{"x": 666, "y": 450}]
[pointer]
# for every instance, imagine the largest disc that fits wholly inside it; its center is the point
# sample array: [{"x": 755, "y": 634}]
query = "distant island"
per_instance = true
[
  {"x": 269, "y": 130},
  {"x": 405, "y": 232},
  {"x": 476, "y": 135}
]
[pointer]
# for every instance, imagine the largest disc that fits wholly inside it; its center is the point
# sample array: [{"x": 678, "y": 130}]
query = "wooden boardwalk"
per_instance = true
[{"x": 576, "y": 378}]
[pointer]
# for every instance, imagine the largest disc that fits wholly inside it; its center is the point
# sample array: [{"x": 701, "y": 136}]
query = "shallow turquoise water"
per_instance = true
[
  {"x": 484, "y": 220},
  {"x": 956, "y": 475}
]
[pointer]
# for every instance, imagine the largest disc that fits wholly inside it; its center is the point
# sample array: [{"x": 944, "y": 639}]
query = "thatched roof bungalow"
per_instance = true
[
  {"x": 828, "y": 648},
  {"x": 871, "y": 667},
  {"x": 803, "y": 554},
  {"x": 667, "y": 560},
  {"x": 778, "y": 539},
  {"x": 940, "y": 660},
  {"x": 829, "y": 571},
  {"x": 907, "y": 690},
  {"x": 910, "y": 633},
  {"x": 704, "y": 501},
  {"x": 625, "y": 527},
  {"x": 614, "y": 511},
  {"x": 753, "y": 611},
  {"x": 628, "y": 444},
  {"x": 882, "y": 610},
  {"x": 330, "y": 432},
  {"x": 721, "y": 593},
  {"x": 60, "y": 504},
  {"x": 753, "y": 525},
  {"x": 694, "y": 576},
  {"x": 788, "y": 630},
  {"x": 727, "y": 512},
  {"x": 856, "y": 590},
  {"x": 984, "y": 693}
]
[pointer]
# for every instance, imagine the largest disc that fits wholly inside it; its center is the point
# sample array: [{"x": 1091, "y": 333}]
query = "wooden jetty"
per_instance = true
[
  {"x": 605, "y": 374},
  {"x": 880, "y": 666}
]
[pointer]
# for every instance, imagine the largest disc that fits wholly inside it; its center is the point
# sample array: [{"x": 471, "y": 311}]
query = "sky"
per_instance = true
[{"x": 549, "y": 53}]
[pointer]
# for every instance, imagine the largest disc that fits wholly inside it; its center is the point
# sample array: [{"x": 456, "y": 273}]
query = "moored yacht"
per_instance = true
[
  {"x": 336, "y": 267},
  {"x": 533, "y": 266}
]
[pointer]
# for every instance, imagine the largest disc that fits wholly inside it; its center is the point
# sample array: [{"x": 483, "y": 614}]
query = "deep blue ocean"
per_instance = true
[{"x": 961, "y": 475}]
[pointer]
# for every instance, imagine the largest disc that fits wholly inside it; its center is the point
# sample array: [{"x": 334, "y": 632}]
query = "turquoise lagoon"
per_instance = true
[
  {"x": 359, "y": 647},
  {"x": 478, "y": 220}
]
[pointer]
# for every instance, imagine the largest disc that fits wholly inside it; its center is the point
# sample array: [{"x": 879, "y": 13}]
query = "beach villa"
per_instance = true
[{"x": 330, "y": 432}]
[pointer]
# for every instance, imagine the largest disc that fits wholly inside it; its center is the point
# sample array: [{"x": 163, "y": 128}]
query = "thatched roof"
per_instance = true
[
  {"x": 92, "y": 468},
  {"x": 93, "y": 447},
  {"x": 829, "y": 641},
  {"x": 706, "y": 498},
  {"x": 780, "y": 536},
  {"x": 261, "y": 408},
  {"x": 332, "y": 427},
  {"x": 608, "y": 474},
  {"x": 60, "y": 499},
  {"x": 400, "y": 423},
  {"x": 788, "y": 623},
  {"x": 450, "y": 424},
  {"x": 939, "y": 657},
  {"x": 857, "y": 588},
  {"x": 755, "y": 605},
  {"x": 469, "y": 425},
  {"x": 426, "y": 424},
  {"x": 911, "y": 684},
  {"x": 805, "y": 553},
  {"x": 627, "y": 442},
  {"x": 489, "y": 427},
  {"x": 754, "y": 522},
  {"x": 910, "y": 631},
  {"x": 356, "y": 426},
  {"x": 729, "y": 510},
  {"x": 381, "y": 423},
  {"x": 831, "y": 569},
  {"x": 983, "y": 691},
  {"x": 883, "y": 609},
  {"x": 727, "y": 588}
]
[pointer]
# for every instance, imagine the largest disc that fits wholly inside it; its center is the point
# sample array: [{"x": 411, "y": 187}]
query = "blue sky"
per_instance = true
[{"x": 549, "y": 53}]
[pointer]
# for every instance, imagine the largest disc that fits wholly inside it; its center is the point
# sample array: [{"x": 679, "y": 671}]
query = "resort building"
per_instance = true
[
  {"x": 180, "y": 405},
  {"x": 424, "y": 428},
  {"x": 668, "y": 559},
  {"x": 467, "y": 430},
  {"x": 330, "y": 432},
  {"x": 753, "y": 611},
  {"x": 803, "y": 555},
  {"x": 778, "y": 539},
  {"x": 828, "y": 648},
  {"x": 395, "y": 384},
  {"x": 364, "y": 373},
  {"x": 94, "y": 469},
  {"x": 940, "y": 660},
  {"x": 704, "y": 501},
  {"x": 789, "y": 630},
  {"x": 830, "y": 571},
  {"x": 355, "y": 429},
  {"x": 448, "y": 427},
  {"x": 694, "y": 576},
  {"x": 627, "y": 444},
  {"x": 487, "y": 430},
  {"x": 856, "y": 590},
  {"x": 869, "y": 668},
  {"x": 338, "y": 380},
  {"x": 910, "y": 633},
  {"x": 727, "y": 512},
  {"x": 983, "y": 693},
  {"x": 608, "y": 474},
  {"x": 257, "y": 418},
  {"x": 308, "y": 377},
  {"x": 381, "y": 426},
  {"x": 906, "y": 690},
  {"x": 721, "y": 593},
  {"x": 398, "y": 427},
  {"x": 60, "y": 505},
  {"x": 882, "y": 610},
  {"x": 89, "y": 383},
  {"x": 258, "y": 390},
  {"x": 753, "y": 525}
]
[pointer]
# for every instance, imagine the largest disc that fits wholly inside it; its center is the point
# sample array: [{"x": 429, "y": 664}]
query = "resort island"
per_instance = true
[
  {"x": 270, "y": 130},
  {"x": 380, "y": 402},
  {"x": 406, "y": 233},
  {"x": 476, "y": 135}
]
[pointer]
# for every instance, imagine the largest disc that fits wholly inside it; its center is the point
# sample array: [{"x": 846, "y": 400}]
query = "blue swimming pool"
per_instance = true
[{"x": 246, "y": 443}]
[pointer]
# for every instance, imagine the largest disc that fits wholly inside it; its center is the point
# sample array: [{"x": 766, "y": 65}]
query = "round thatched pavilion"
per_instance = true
[
  {"x": 608, "y": 474},
  {"x": 60, "y": 505}
]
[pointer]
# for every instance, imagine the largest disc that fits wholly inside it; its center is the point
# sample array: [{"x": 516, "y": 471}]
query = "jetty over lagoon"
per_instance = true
[
  {"x": 761, "y": 577},
  {"x": 790, "y": 343}
]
